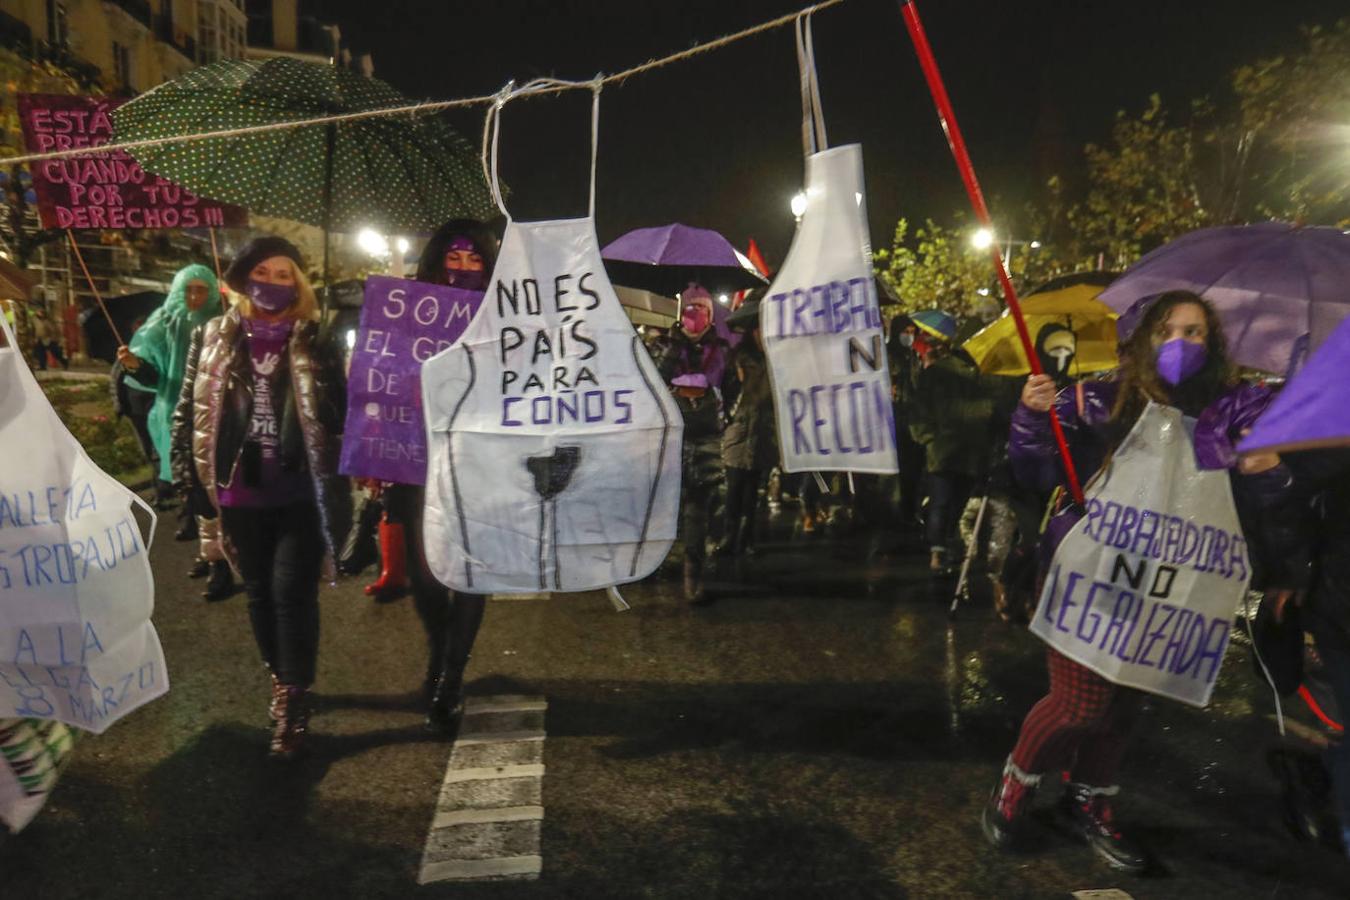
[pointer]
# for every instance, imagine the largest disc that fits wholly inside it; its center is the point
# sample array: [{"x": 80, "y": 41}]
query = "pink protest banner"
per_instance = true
[{"x": 104, "y": 190}]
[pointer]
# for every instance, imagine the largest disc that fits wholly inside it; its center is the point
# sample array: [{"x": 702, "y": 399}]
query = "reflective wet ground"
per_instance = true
[{"x": 823, "y": 729}]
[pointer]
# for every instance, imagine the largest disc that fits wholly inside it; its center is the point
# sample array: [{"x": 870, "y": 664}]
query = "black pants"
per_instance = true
[
  {"x": 41, "y": 350},
  {"x": 742, "y": 506},
  {"x": 947, "y": 496},
  {"x": 280, "y": 552},
  {"x": 451, "y": 619}
]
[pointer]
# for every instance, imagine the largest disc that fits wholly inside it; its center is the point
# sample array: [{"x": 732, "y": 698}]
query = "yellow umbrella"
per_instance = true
[{"x": 998, "y": 351}]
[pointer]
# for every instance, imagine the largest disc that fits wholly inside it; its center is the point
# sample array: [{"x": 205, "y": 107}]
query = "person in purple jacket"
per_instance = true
[{"x": 1176, "y": 356}]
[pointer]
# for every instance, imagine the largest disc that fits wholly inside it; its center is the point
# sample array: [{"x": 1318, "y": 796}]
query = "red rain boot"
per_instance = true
[{"x": 393, "y": 580}]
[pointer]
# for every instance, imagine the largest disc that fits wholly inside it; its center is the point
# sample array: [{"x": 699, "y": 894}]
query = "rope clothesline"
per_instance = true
[{"x": 431, "y": 106}]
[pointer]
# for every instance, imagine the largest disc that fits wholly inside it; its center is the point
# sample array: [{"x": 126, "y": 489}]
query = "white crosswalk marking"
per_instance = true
[{"x": 490, "y": 808}]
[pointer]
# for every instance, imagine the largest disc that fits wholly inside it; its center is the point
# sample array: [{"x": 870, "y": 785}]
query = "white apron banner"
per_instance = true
[
  {"x": 554, "y": 447},
  {"x": 820, "y": 320},
  {"x": 1145, "y": 588},
  {"x": 76, "y": 593}
]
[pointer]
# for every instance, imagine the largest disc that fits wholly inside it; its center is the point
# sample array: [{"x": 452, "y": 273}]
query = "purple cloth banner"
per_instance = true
[{"x": 403, "y": 324}]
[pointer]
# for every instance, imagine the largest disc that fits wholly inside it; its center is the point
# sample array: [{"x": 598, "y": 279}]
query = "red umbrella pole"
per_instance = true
[{"x": 947, "y": 117}]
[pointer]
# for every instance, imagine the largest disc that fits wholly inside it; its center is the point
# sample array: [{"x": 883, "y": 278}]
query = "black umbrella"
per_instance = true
[{"x": 128, "y": 312}]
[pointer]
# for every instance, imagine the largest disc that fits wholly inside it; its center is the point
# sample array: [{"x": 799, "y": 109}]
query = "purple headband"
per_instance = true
[{"x": 461, "y": 242}]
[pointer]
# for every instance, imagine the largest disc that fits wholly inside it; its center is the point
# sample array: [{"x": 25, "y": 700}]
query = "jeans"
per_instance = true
[{"x": 280, "y": 551}]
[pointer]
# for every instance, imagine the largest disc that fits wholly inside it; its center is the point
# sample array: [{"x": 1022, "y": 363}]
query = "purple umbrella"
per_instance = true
[
  {"x": 665, "y": 259},
  {"x": 1311, "y": 411},
  {"x": 1271, "y": 283}
]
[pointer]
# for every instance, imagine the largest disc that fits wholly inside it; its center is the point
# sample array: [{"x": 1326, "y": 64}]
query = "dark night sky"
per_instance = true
[{"x": 716, "y": 141}]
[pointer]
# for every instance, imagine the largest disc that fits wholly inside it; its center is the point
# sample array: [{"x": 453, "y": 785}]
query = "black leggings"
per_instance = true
[
  {"x": 280, "y": 552},
  {"x": 742, "y": 504},
  {"x": 451, "y": 619}
]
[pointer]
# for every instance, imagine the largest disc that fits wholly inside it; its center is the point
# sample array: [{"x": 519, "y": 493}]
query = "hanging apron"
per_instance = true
[
  {"x": 553, "y": 446},
  {"x": 76, "y": 592},
  {"x": 1144, "y": 589},
  {"x": 820, "y": 320}
]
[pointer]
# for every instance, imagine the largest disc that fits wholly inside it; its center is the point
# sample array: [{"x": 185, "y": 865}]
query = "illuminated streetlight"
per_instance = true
[
  {"x": 403, "y": 245},
  {"x": 799, "y": 204},
  {"x": 982, "y": 239},
  {"x": 1035, "y": 245},
  {"x": 723, "y": 299},
  {"x": 372, "y": 242}
]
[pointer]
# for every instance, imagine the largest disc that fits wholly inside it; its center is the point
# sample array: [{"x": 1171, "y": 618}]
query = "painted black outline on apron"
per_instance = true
[
  {"x": 660, "y": 458},
  {"x": 450, "y": 461}
]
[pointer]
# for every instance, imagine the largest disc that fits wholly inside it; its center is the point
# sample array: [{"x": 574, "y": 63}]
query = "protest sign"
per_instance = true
[
  {"x": 822, "y": 331},
  {"x": 76, "y": 593},
  {"x": 103, "y": 190},
  {"x": 403, "y": 324},
  {"x": 1144, "y": 589},
  {"x": 554, "y": 446},
  {"x": 32, "y": 753}
]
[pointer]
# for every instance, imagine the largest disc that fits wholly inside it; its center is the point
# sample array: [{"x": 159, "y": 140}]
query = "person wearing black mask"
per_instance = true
[
  {"x": 460, "y": 254},
  {"x": 1057, "y": 346}
]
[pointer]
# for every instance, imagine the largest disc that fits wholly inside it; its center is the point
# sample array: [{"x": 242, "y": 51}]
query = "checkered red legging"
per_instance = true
[{"x": 1081, "y": 727}]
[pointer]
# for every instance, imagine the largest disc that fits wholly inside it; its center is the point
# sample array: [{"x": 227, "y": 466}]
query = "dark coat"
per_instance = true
[
  {"x": 677, "y": 355},
  {"x": 952, "y": 415},
  {"x": 750, "y": 441},
  {"x": 211, "y": 420}
]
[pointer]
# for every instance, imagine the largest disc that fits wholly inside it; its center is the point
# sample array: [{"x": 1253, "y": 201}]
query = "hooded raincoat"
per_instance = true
[{"x": 162, "y": 346}]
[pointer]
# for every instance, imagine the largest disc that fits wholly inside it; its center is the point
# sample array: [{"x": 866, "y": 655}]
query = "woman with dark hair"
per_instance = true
[
  {"x": 1176, "y": 356},
  {"x": 256, "y": 435},
  {"x": 749, "y": 445},
  {"x": 460, "y": 254}
]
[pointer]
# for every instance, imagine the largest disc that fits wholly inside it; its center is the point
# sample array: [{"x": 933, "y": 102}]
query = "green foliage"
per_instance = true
[
  {"x": 940, "y": 269},
  {"x": 1276, "y": 145},
  {"x": 1293, "y": 123},
  {"x": 85, "y": 408},
  {"x": 1143, "y": 190}
]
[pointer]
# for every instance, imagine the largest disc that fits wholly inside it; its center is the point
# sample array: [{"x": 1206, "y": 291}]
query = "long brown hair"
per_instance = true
[{"x": 1139, "y": 379}]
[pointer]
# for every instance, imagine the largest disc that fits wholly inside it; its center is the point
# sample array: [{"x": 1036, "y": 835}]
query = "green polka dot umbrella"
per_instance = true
[{"x": 397, "y": 174}]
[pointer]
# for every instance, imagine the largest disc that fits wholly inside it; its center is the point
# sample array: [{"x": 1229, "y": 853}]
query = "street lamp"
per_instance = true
[
  {"x": 372, "y": 242},
  {"x": 982, "y": 239},
  {"x": 799, "y": 205}
]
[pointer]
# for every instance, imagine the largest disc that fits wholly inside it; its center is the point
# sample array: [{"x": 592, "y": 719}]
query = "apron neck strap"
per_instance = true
[
  {"x": 492, "y": 129},
  {"x": 813, "y": 118}
]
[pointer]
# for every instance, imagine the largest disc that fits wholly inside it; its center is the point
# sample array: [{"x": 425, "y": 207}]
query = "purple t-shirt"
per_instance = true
[{"x": 266, "y": 342}]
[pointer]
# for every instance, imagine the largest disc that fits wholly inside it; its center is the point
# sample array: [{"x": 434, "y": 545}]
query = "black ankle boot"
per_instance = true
[
  {"x": 221, "y": 583},
  {"x": 1090, "y": 811},
  {"x": 446, "y": 709}
]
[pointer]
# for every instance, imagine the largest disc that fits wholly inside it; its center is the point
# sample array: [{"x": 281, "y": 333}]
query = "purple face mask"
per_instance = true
[
  {"x": 1179, "y": 359},
  {"x": 272, "y": 298}
]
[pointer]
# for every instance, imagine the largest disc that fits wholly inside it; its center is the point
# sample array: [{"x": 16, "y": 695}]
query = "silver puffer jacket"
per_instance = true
[{"x": 211, "y": 420}]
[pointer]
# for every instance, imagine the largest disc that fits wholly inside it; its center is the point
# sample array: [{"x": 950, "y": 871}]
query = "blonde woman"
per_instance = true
[{"x": 257, "y": 432}]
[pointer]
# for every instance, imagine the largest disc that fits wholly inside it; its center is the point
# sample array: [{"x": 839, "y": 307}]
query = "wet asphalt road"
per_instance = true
[{"x": 823, "y": 733}]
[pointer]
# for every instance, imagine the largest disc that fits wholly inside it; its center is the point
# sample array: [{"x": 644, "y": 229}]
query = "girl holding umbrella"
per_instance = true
[
  {"x": 1176, "y": 356},
  {"x": 256, "y": 435}
]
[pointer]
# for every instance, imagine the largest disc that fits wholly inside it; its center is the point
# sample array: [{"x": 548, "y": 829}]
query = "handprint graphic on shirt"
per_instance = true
[{"x": 268, "y": 364}]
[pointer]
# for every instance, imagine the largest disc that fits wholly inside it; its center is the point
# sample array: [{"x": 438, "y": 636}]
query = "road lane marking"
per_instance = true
[
  {"x": 478, "y": 816},
  {"x": 494, "y": 773},
  {"x": 523, "y": 867},
  {"x": 489, "y": 809}
]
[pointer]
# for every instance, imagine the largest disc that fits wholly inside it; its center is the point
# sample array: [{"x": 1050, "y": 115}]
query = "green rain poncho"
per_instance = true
[{"x": 162, "y": 342}]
